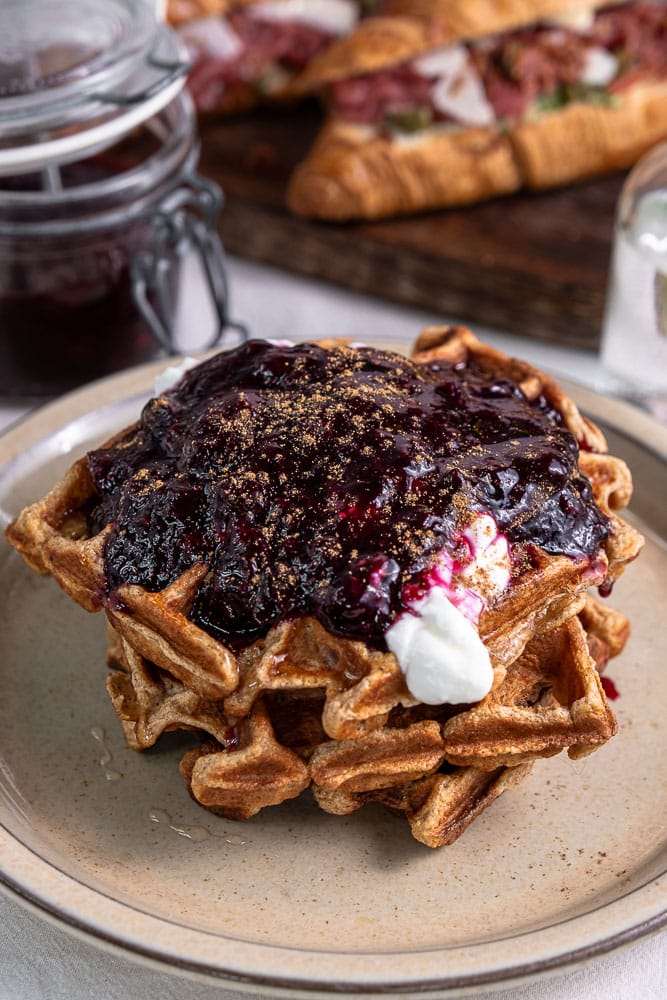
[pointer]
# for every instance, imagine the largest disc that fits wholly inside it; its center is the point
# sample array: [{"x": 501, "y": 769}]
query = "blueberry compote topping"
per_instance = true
[{"x": 319, "y": 482}]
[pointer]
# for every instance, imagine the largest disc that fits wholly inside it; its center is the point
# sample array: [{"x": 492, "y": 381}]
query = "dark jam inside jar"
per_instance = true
[{"x": 67, "y": 312}]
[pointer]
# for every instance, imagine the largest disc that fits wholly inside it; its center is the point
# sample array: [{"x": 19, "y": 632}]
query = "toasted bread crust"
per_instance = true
[
  {"x": 407, "y": 29},
  {"x": 183, "y": 11},
  {"x": 586, "y": 139},
  {"x": 375, "y": 44},
  {"x": 351, "y": 174},
  {"x": 464, "y": 19}
]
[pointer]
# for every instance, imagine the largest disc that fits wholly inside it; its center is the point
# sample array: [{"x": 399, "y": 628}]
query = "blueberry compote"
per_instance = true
[{"x": 320, "y": 482}]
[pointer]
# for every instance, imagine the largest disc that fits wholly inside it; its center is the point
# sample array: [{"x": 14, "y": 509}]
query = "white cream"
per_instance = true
[
  {"x": 479, "y": 572},
  {"x": 600, "y": 67},
  {"x": 436, "y": 641},
  {"x": 457, "y": 90},
  {"x": 440, "y": 652},
  {"x": 338, "y": 17},
  {"x": 212, "y": 35},
  {"x": 489, "y": 570},
  {"x": 171, "y": 375}
]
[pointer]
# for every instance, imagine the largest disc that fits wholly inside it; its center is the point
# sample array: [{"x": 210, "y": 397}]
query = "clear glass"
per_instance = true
[
  {"x": 99, "y": 196},
  {"x": 634, "y": 337},
  {"x": 78, "y": 75},
  {"x": 54, "y": 54},
  {"x": 90, "y": 265}
]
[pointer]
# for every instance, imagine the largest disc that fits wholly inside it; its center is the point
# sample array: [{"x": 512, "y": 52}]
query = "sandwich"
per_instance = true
[
  {"x": 436, "y": 103},
  {"x": 245, "y": 52}
]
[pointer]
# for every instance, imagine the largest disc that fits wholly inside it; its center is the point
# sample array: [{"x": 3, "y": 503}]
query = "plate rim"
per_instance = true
[
  {"x": 626, "y": 420},
  {"x": 456, "y": 986}
]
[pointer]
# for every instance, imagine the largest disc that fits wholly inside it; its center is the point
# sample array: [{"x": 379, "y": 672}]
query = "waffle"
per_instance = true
[
  {"x": 553, "y": 680},
  {"x": 301, "y": 706},
  {"x": 439, "y": 771}
]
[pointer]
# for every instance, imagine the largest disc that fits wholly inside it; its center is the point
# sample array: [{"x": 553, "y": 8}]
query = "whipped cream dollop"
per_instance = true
[
  {"x": 436, "y": 641},
  {"x": 440, "y": 652},
  {"x": 487, "y": 572}
]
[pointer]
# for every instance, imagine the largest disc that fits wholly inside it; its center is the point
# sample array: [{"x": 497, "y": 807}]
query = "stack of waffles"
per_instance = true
[{"x": 302, "y": 707}]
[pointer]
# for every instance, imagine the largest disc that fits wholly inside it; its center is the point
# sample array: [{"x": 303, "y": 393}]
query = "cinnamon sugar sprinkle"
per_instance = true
[{"x": 319, "y": 481}]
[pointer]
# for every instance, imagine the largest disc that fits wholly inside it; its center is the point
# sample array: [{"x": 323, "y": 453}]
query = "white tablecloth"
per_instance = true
[{"x": 38, "y": 960}]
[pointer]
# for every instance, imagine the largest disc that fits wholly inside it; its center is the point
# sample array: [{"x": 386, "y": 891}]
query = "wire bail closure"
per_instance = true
[{"x": 185, "y": 218}]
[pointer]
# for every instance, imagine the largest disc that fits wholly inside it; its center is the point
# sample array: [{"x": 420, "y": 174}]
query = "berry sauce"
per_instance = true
[
  {"x": 321, "y": 482},
  {"x": 610, "y": 688}
]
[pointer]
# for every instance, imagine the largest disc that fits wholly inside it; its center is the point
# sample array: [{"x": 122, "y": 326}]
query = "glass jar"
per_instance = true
[
  {"x": 634, "y": 338},
  {"x": 99, "y": 196}
]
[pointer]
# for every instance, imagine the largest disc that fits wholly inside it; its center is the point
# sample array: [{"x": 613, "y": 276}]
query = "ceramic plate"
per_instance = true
[{"x": 566, "y": 867}]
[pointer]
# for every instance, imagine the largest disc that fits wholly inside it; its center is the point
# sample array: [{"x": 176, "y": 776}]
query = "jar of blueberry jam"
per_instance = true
[{"x": 99, "y": 197}]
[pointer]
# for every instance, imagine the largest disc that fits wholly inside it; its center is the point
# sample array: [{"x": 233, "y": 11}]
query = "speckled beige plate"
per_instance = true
[{"x": 566, "y": 867}]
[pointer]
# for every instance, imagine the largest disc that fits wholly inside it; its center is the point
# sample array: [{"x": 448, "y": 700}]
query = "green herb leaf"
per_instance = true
[
  {"x": 571, "y": 93},
  {"x": 411, "y": 120}
]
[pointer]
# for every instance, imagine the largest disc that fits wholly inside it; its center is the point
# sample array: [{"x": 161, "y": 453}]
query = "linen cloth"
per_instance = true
[{"x": 39, "y": 961}]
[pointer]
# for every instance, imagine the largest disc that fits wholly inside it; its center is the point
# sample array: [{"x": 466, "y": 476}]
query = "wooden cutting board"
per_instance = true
[{"x": 533, "y": 264}]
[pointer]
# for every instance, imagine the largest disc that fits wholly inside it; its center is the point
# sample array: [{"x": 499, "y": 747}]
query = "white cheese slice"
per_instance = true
[
  {"x": 600, "y": 67},
  {"x": 212, "y": 35},
  {"x": 457, "y": 91},
  {"x": 338, "y": 17},
  {"x": 441, "y": 62}
]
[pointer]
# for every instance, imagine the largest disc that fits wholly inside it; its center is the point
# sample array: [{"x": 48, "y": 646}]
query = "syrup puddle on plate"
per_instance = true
[
  {"x": 99, "y": 736},
  {"x": 195, "y": 833},
  {"x": 160, "y": 817}
]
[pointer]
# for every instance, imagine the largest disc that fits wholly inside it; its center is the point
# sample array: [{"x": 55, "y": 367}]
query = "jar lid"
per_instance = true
[{"x": 75, "y": 75}]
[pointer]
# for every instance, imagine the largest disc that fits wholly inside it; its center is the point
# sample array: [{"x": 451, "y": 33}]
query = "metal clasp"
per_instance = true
[
  {"x": 171, "y": 70},
  {"x": 186, "y": 218}
]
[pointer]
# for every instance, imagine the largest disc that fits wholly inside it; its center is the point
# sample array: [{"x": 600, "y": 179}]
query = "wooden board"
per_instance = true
[{"x": 534, "y": 264}]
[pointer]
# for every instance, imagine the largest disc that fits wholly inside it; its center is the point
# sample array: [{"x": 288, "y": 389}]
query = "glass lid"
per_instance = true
[{"x": 77, "y": 74}]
